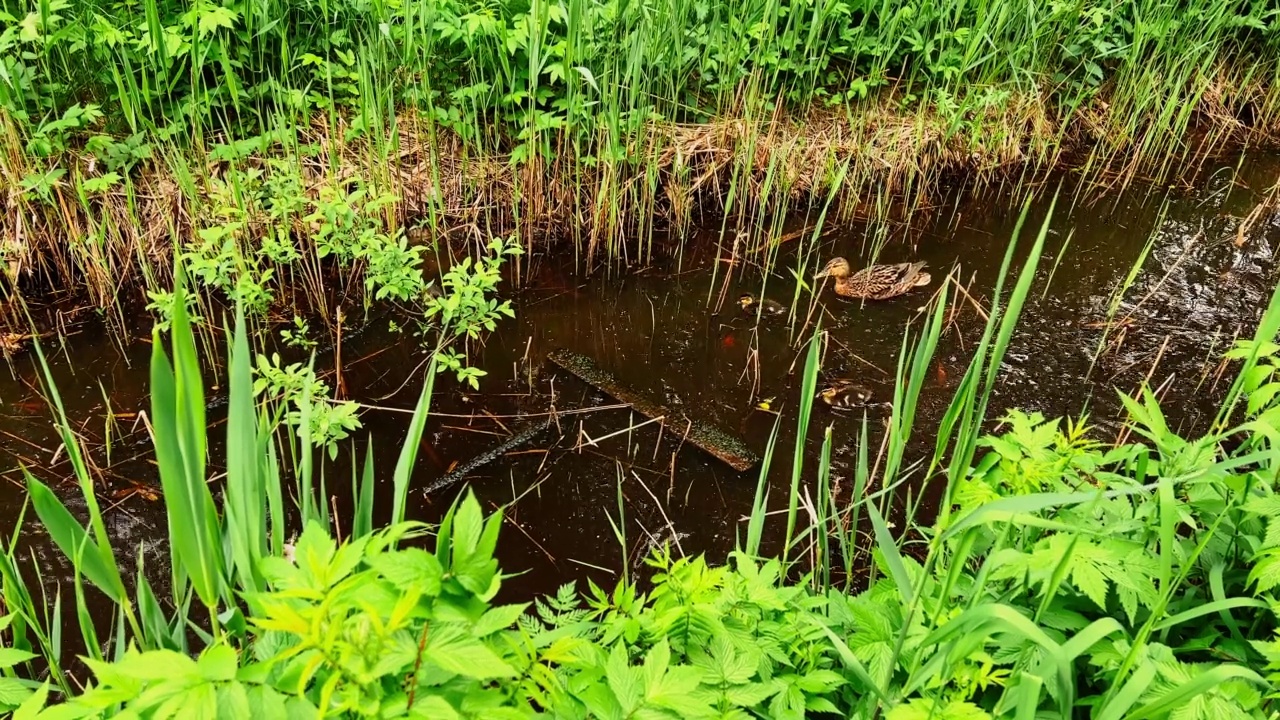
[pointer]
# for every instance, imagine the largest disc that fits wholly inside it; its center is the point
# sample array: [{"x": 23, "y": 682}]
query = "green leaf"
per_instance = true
[
  {"x": 888, "y": 548},
  {"x": 498, "y": 618},
  {"x": 71, "y": 538},
  {"x": 1266, "y": 573},
  {"x": 265, "y": 702},
  {"x": 819, "y": 681},
  {"x": 180, "y": 433},
  {"x": 677, "y": 690},
  {"x": 218, "y": 663},
  {"x": 1193, "y": 688},
  {"x": 157, "y": 665},
  {"x": 468, "y": 524},
  {"x": 409, "y": 450},
  {"x": 233, "y": 702},
  {"x": 1090, "y": 581},
  {"x": 217, "y": 17},
  {"x": 410, "y": 567},
  {"x": 750, "y": 695},
  {"x": 12, "y": 656},
  {"x": 13, "y": 692},
  {"x": 245, "y": 485},
  {"x": 314, "y": 553},
  {"x": 925, "y": 709},
  {"x": 433, "y": 707},
  {"x": 31, "y": 707},
  {"x": 453, "y": 650},
  {"x": 724, "y": 666},
  {"x": 656, "y": 662},
  {"x": 625, "y": 681}
]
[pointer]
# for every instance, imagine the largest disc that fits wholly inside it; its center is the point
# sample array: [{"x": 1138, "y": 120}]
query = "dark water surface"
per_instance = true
[{"x": 659, "y": 331}]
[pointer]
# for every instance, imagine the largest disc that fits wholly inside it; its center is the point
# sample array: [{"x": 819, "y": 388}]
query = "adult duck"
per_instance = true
[{"x": 877, "y": 282}]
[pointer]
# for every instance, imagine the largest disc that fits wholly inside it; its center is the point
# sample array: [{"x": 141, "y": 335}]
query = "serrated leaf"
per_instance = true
[
  {"x": 926, "y": 709},
  {"x": 218, "y": 663},
  {"x": 1090, "y": 581},
  {"x": 656, "y": 662},
  {"x": 412, "y": 566},
  {"x": 13, "y": 692},
  {"x": 499, "y": 618},
  {"x": 433, "y": 707},
  {"x": 266, "y": 702},
  {"x": 1268, "y": 506},
  {"x": 1266, "y": 573},
  {"x": 624, "y": 681},
  {"x": 750, "y": 695},
  {"x": 156, "y": 665},
  {"x": 453, "y": 650},
  {"x": 819, "y": 681},
  {"x": 218, "y": 17},
  {"x": 12, "y": 656},
  {"x": 233, "y": 702},
  {"x": 1272, "y": 538},
  {"x": 726, "y": 666},
  {"x": 31, "y": 707}
]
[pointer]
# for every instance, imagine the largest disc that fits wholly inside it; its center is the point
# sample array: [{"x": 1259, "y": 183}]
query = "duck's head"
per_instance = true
[
  {"x": 837, "y": 268},
  {"x": 746, "y": 301}
]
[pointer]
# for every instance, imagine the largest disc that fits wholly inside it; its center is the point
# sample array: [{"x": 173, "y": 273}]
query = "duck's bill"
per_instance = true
[{"x": 822, "y": 274}]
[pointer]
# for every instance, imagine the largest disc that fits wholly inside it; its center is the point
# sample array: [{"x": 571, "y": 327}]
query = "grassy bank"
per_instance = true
[
  {"x": 1064, "y": 577},
  {"x": 130, "y": 129}
]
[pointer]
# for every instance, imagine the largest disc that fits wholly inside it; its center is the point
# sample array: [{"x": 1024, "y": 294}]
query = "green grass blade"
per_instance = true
[
  {"x": 177, "y": 411},
  {"x": 72, "y": 539},
  {"x": 409, "y": 451},
  {"x": 760, "y": 503},
  {"x": 362, "y": 522},
  {"x": 892, "y": 558},
  {"x": 808, "y": 389},
  {"x": 245, "y": 495},
  {"x": 1198, "y": 685}
]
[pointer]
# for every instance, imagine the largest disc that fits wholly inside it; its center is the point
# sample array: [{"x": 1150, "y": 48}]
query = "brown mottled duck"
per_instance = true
[{"x": 877, "y": 282}]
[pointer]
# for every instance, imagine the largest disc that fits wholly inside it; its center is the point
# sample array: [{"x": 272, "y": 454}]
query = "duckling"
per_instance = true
[
  {"x": 432, "y": 291},
  {"x": 765, "y": 306},
  {"x": 767, "y": 405},
  {"x": 877, "y": 282},
  {"x": 845, "y": 395}
]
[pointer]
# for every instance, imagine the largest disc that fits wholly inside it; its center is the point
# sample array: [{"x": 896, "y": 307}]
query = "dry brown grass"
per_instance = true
[{"x": 677, "y": 174}]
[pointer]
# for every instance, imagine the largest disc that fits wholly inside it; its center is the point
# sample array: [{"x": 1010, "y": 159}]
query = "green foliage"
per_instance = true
[
  {"x": 538, "y": 69},
  {"x": 303, "y": 397},
  {"x": 466, "y": 308},
  {"x": 1070, "y": 578},
  {"x": 298, "y": 336}
]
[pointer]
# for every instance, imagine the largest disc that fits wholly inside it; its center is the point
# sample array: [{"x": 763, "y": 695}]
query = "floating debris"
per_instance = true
[
  {"x": 733, "y": 451},
  {"x": 524, "y": 435}
]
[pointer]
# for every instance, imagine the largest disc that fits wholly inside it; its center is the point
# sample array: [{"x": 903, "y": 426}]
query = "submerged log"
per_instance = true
[
  {"x": 733, "y": 451},
  {"x": 522, "y": 436}
]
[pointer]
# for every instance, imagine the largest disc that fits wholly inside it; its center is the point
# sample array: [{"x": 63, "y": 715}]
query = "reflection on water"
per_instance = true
[{"x": 659, "y": 332}]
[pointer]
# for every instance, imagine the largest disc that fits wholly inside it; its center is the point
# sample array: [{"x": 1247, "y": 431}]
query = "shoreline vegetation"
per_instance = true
[
  {"x": 235, "y": 165},
  {"x": 1063, "y": 577},
  {"x": 292, "y": 146}
]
